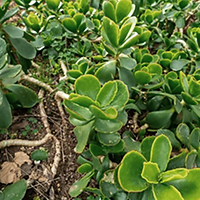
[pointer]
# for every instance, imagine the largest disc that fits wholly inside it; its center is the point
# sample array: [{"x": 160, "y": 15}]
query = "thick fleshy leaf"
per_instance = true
[
  {"x": 26, "y": 97},
  {"x": 106, "y": 126},
  {"x": 194, "y": 138},
  {"x": 127, "y": 62},
  {"x": 150, "y": 172},
  {"x": 106, "y": 72},
  {"x": 116, "y": 148},
  {"x": 9, "y": 14},
  {"x": 182, "y": 133},
  {"x": 177, "y": 65},
  {"x": 2, "y": 47},
  {"x": 5, "y": 114},
  {"x": 24, "y": 48},
  {"x": 166, "y": 192},
  {"x": 82, "y": 134},
  {"x": 131, "y": 41},
  {"x": 107, "y": 93},
  {"x": 87, "y": 85},
  {"x": 159, "y": 119},
  {"x": 85, "y": 168},
  {"x": 83, "y": 101},
  {"x": 184, "y": 82},
  {"x": 130, "y": 177},
  {"x": 109, "y": 139},
  {"x": 10, "y": 72},
  {"x": 189, "y": 186},
  {"x": 79, "y": 185},
  {"x": 121, "y": 97},
  {"x": 144, "y": 37},
  {"x": 194, "y": 88},
  {"x": 77, "y": 111},
  {"x": 160, "y": 152},
  {"x": 172, "y": 175},
  {"x": 190, "y": 159},
  {"x": 177, "y": 161},
  {"x": 188, "y": 99},
  {"x": 126, "y": 29},
  {"x": 74, "y": 74},
  {"x": 109, "y": 113},
  {"x": 13, "y": 31},
  {"x": 123, "y": 9},
  {"x": 142, "y": 77},
  {"x": 70, "y": 24},
  {"x": 15, "y": 191},
  {"x": 129, "y": 143},
  {"x": 146, "y": 146},
  {"x": 109, "y": 10},
  {"x": 154, "y": 68}
]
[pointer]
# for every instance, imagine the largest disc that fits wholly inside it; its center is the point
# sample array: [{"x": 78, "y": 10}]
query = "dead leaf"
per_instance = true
[
  {"x": 21, "y": 158},
  {"x": 9, "y": 173}
]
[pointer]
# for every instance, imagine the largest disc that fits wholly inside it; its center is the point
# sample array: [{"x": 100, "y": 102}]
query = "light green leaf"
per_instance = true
[
  {"x": 83, "y": 101},
  {"x": 70, "y": 24},
  {"x": 160, "y": 152},
  {"x": 194, "y": 88},
  {"x": 150, "y": 172},
  {"x": 184, "y": 82},
  {"x": 109, "y": 139},
  {"x": 24, "y": 48},
  {"x": 190, "y": 159},
  {"x": 182, "y": 133},
  {"x": 82, "y": 134},
  {"x": 127, "y": 62},
  {"x": 109, "y": 10},
  {"x": 172, "y": 175},
  {"x": 177, "y": 65},
  {"x": 189, "y": 186},
  {"x": 107, "y": 93},
  {"x": 130, "y": 177},
  {"x": 194, "y": 138},
  {"x": 166, "y": 192},
  {"x": 2, "y": 47},
  {"x": 9, "y": 14},
  {"x": 13, "y": 31},
  {"x": 123, "y": 8},
  {"x": 85, "y": 168},
  {"x": 142, "y": 77},
  {"x": 10, "y": 72},
  {"x": 131, "y": 41},
  {"x": 112, "y": 31},
  {"x": 87, "y": 85}
]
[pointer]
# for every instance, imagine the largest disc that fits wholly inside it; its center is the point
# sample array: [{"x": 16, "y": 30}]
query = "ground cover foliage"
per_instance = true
[{"x": 131, "y": 87}]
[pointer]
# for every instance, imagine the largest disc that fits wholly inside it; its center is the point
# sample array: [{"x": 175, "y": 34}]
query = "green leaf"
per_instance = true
[
  {"x": 146, "y": 145},
  {"x": 182, "y": 133},
  {"x": 107, "y": 93},
  {"x": 172, "y": 175},
  {"x": 127, "y": 29},
  {"x": 142, "y": 77},
  {"x": 190, "y": 159},
  {"x": 160, "y": 152},
  {"x": 121, "y": 97},
  {"x": 27, "y": 97},
  {"x": 82, "y": 134},
  {"x": 13, "y": 31},
  {"x": 5, "y": 114},
  {"x": 180, "y": 22},
  {"x": 194, "y": 88},
  {"x": 15, "y": 191},
  {"x": 159, "y": 119},
  {"x": 2, "y": 47},
  {"x": 154, "y": 68},
  {"x": 194, "y": 138},
  {"x": 115, "y": 149},
  {"x": 109, "y": 10},
  {"x": 131, "y": 41},
  {"x": 144, "y": 37},
  {"x": 24, "y": 48},
  {"x": 166, "y": 192},
  {"x": 192, "y": 45},
  {"x": 130, "y": 177},
  {"x": 84, "y": 168},
  {"x": 112, "y": 31},
  {"x": 177, "y": 65},
  {"x": 80, "y": 185},
  {"x": 123, "y": 9},
  {"x": 188, "y": 99},
  {"x": 87, "y": 85},
  {"x": 39, "y": 155},
  {"x": 189, "y": 186},
  {"x": 129, "y": 143},
  {"x": 127, "y": 62},
  {"x": 109, "y": 113},
  {"x": 184, "y": 82},
  {"x": 150, "y": 172},
  {"x": 106, "y": 72},
  {"x": 77, "y": 111},
  {"x": 109, "y": 139},
  {"x": 106, "y": 126},
  {"x": 9, "y": 14},
  {"x": 70, "y": 24},
  {"x": 10, "y": 72},
  {"x": 83, "y": 101},
  {"x": 53, "y": 4}
]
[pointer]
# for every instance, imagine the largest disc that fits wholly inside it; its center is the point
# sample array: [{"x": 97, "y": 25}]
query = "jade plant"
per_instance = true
[
  {"x": 93, "y": 107},
  {"x": 12, "y": 94},
  {"x": 146, "y": 172}
]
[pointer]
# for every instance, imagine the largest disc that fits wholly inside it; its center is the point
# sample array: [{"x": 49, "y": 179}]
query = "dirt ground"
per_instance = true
[{"x": 27, "y": 124}]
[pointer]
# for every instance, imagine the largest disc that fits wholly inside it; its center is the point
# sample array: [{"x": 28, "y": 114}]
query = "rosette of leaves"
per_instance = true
[
  {"x": 93, "y": 107},
  {"x": 184, "y": 137},
  {"x": 12, "y": 94},
  {"x": 118, "y": 26},
  {"x": 149, "y": 175},
  {"x": 16, "y": 38},
  {"x": 76, "y": 25},
  {"x": 33, "y": 21},
  {"x": 174, "y": 59},
  {"x": 81, "y": 6},
  {"x": 150, "y": 16},
  {"x": 79, "y": 68}
]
